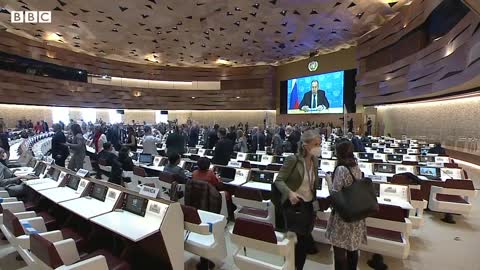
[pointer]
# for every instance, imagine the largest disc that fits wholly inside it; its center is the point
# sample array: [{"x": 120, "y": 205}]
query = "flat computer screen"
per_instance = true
[
  {"x": 403, "y": 145},
  {"x": 135, "y": 156},
  {"x": 254, "y": 157},
  {"x": 55, "y": 174},
  {"x": 395, "y": 157},
  {"x": 99, "y": 192},
  {"x": 262, "y": 176},
  {"x": 73, "y": 182},
  {"x": 384, "y": 168},
  {"x": 278, "y": 159},
  {"x": 226, "y": 172},
  {"x": 365, "y": 155},
  {"x": 381, "y": 150},
  {"x": 39, "y": 168},
  {"x": 145, "y": 158},
  {"x": 193, "y": 150},
  {"x": 428, "y": 171},
  {"x": 424, "y": 151},
  {"x": 135, "y": 205},
  {"x": 427, "y": 159},
  {"x": 209, "y": 152},
  {"x": 189, "y": 166}
]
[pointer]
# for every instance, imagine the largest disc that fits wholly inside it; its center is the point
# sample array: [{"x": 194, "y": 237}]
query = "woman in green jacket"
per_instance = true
[{"x": 297, "y": 182}]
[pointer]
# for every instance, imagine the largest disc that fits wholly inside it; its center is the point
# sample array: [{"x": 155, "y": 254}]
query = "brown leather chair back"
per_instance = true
[
  {"x": 45, "y": 251},
  {"x": 255, "y": 229}
]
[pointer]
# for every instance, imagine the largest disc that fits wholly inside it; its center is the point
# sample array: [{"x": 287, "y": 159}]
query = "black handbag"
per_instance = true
[
  {"x": 298, "y": 217},
  {"x": 355, "y": 202}
]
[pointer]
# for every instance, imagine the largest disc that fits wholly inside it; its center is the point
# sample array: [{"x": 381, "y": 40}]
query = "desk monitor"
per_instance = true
[
  {"x": 393, "y": 157},
  {"x": 367, "y": 144},
  {"x": 254, "y": 157},
  {"x": 427, "y": 159},
  {"x": 278, "y": 159},
  {"x": 262, "y": 176},
  {"x": 163, "y": 162},
  {"x": 365, "y": 156},
  {"x": 54, "y": 174},
  {"x": 73, "y": 182},
  {"x": 381, "y": 150},
  {"x": 225, "y": 172},
  {"x": 424, "y": 151},
  {"x": 388, "y": 150},
  {"x": 145, "y": 158},
  {"x": 189, "y": 166},
  {"x": 193, "y": 151},
  {"x": 376, "y": 187},
  {"x": 135, "y": 205},
  {"x": 209, "y": 152},
  {"x": 32, "y": 162},
  {"x": 99, "y": 192},
  {"x": 39, "y": 168},
  {"x": 403, "y": 145},
  {"x": 384, "y": 168},
  {"x": 135, "y": 156},
  {"x": 429, "y": 171},
  {"x": 401, "y": 151}
]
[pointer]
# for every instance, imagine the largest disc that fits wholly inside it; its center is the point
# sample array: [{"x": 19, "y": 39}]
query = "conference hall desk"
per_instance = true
[
  {"x": 148, "y": 227},
  {"x": 330, "y": 110}
]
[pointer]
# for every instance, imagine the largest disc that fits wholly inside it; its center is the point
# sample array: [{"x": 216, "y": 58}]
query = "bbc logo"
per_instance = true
[{"x": 31, "y": 17}]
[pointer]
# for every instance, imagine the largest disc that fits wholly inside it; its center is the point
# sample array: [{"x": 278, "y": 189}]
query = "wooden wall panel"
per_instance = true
[
  {"x": 17, "y": 45},
  {"x": 18, "y": 88},
  {"x": 448, "y": 65}
]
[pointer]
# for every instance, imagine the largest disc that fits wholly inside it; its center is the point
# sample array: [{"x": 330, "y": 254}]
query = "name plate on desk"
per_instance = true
[
  {"x": 81, "y": 186},
  {"x": 326, "y": 154},
  {"x": 434, "y": 164},
  {"x": 388, "y": 150},
  {"x": 201, "y": 152},
  {"x": 389, "y": 190},
  {"x": 234, "y": 164},
  {"x": 379, "y": 156},
  {"x": 156, "y": 161},
  {"x": 412, "y": 151},
  {"x": 287, "y": 154},
  {"x": 150, "y": 192},
  {"x": 259, "y": 152},
  {"x": 369, "y": 150},
  {"x": 266, "y": 159},
  {"x": 199, "y": 146},
  {"x": 82, "y": 173},
  {"x": 378, "y": 178},
  {"x": 241, "y": 156},
  {"x": 156, "y": 209},
  {"x": 241, "y": 175}
]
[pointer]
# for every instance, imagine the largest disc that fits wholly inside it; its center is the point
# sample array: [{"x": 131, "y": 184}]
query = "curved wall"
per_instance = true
[
  {"x": 254, "y": 86},
  {"x": 448, "y": 65}
]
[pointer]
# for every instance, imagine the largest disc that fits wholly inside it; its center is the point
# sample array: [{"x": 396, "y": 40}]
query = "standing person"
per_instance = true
[
  {"x": 193, "y": 136},
  {"x": 268, "y": 137},
  {"x": 125, "y": 159},
  {"x": 175, "y": 142},
  {"x": 350, "y": 125},
  {"x": 297, "y": 181},
  {"x": 98, "y": 139},
  {"x": 59, "y": 149},
  {"x": 77, "y": 148},
  {"x": 4, "y": 140},
  {"x": 223, "y": 148},
  {"x": 113, "y": 136},
  {"x": 369, "y": 126},
  {"x": 38, "y": 128},
  {"x": 346, "y": 237},
  {"x": 149, "y": 142},
  {"x": 240, "y": 142},
  {"x": 258, "y": 140},
  {"x": 131, "y": 139},
  {"x": 232, "y": 135},
  {"x": 277, "y": 143},
  {"x": 212, "y": 137}
]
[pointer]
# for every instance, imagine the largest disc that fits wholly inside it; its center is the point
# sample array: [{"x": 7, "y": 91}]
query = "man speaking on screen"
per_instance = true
[{"x": 314, "y": 100}]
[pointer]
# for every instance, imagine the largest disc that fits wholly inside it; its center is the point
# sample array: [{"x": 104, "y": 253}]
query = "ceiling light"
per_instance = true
[
  {"x": 193, "y": 97},
  {"x": 222, "y": 62},
  {"x": 52, "y": 37},
  {"x": 437, "y": 38},
  {"x": 137, "y": 94},
  {"x": 51, "y": 54},
  {"x": 152, "y": 57},
  {"x": 238, "y": 97}
]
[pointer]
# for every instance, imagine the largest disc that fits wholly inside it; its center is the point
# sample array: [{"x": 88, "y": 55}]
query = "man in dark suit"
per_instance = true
[
  {"x": 223, "y": 148},
  {"x": 59, "y": 149},
  {"x": 111, "y": 160},
  {"x": 314, "y": 99},
  {"x": 258, "y": 140},
  {"x": 212, "y": 137}
]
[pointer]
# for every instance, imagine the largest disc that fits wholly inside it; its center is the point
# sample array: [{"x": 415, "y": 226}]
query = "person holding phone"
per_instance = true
[{"x": 297, "y": 181}]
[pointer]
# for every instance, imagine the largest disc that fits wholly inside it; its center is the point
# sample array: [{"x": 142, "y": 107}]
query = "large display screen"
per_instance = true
[{"x": 322, "y": 93}]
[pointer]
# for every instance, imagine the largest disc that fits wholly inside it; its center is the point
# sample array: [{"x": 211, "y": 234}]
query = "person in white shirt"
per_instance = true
[{"x": 150, "y": 142}]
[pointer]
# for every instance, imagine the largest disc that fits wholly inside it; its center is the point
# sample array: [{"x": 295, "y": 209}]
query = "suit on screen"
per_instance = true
[{"x": 321, "y": 99}]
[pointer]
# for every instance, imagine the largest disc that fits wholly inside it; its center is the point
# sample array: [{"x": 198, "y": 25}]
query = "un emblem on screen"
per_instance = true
[
  {"x": 313, "y": 65},
  {"x": 31, "y": 17}
]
